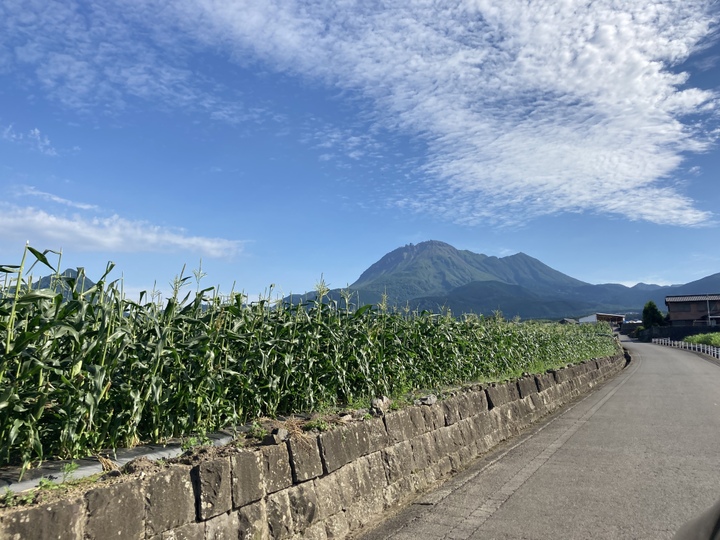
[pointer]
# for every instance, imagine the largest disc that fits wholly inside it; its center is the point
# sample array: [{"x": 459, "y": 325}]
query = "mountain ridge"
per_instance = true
[{"x": 434, "y": 275}]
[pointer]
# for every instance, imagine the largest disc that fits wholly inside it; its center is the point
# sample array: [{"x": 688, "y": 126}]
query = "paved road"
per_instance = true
[{"x": 635, "y": 459}]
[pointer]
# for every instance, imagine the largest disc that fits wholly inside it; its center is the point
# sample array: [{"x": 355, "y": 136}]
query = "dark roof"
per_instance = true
[{"x": 692, "y": 298}]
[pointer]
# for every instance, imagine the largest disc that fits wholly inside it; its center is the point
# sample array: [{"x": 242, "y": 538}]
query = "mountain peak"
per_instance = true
[{"x": 434, "y": 275}]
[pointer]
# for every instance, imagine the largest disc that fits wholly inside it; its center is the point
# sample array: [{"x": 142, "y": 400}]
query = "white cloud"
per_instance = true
[
  {"x": 527, "y": 109},
  {"x": 104, "y": 234},
  {"x": 32, "y": 138},
  {"x": 30, "y": 190},
  {"x": 102, "y": 57}
]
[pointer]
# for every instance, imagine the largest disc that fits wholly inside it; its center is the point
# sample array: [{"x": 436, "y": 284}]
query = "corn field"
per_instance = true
[{"x": 85, "y": 370}]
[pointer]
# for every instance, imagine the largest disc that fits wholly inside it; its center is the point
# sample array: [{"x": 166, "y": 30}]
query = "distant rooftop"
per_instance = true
[{"x": 692, "y": 298}]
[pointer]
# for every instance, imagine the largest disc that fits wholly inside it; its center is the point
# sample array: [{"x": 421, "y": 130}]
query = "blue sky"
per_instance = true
[{"x": 279, "y": 141}]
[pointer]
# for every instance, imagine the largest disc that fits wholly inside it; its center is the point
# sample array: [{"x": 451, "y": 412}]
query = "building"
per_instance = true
[
  {"x": 607, "y": 317},
  {"x": 693, "y": 310}
]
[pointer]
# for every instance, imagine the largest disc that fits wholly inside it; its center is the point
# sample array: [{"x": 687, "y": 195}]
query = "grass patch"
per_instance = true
[{"x": 705, "y": 339}]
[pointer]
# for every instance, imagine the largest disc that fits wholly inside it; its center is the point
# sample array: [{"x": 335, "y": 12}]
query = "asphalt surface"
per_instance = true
[{"x": 635, "y": 459}]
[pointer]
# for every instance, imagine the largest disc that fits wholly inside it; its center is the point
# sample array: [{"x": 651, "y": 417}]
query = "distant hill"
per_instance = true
[
  {"x": 84, "y": 284},
  {"x": 50, "y": 282},
  {"x": 433, "y": 275}
]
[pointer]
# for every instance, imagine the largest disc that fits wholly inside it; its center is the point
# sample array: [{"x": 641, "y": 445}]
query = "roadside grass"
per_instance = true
[{"x": 712, "y": 339}]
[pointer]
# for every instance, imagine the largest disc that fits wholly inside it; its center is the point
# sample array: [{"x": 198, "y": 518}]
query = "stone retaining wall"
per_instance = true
[{"x": 323, "y": 486}]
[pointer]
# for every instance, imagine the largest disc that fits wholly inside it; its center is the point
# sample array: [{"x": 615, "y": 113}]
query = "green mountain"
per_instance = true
[
  {"x": 435, "y": 269},
  {"x": 434, "y": 275}
]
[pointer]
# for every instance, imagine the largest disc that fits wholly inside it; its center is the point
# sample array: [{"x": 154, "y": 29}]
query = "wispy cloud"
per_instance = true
[
  {"x": 32, "y": 138},
  {"x": 31, "y": 191},
  {"x": 105, "y": 234},
  {"x": 104, "y": 57},
  {"x": 527, "y": 109}
]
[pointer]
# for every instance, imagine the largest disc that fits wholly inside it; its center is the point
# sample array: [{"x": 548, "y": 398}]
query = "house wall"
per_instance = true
[{"x": 681, "y": 313}]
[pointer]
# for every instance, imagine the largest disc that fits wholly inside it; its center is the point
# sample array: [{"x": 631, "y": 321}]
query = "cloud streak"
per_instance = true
[
  {"x": 105, "y": 234},
  {"x": 527, "y": 109},
  {"x": 33, "y": 138},
  {"x": 30, "y": 190}
]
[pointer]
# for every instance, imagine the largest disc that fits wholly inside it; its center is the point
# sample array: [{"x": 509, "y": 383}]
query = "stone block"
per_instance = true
[
  {"x": 357, "y": 441},
  {"x": 279, "y": 515},
  {"x": 252, "y": 522},
  {"x": 430, "y": 447},
  {"x": 482, "y": 424},
  {"x": 450, "y": 410},
  {"x": 526, "y": 412},
  {"x": 527, "y": 386},
  {"x": 365, "y": 510},
  {"x": 497, "y": 395},
  {"x": 455, "y": 462},
  {"x": 276, "y": 468},
  {"x": 477, "y": 401},
  {"x": 456, "y": 435},
  {"x": 333, "y": 450},
  {"x": 395, "y": 493},
  {"x": 377, "y": 434},
  {"x": 466, "y": 430},
  {"x": 116, "y": 511},
  {"x": 329, "y": 496},
  {"x": 376, "y": 470},
  {"x": 303, "y": 506},
  {"x": 314, "y": 532},
  {"x": 214, "y": 486},
  {"x": 443, "y": 441},
  {"x": 222, "y": 527},
  {"x": 443, "y": 467},
  {"x": 190, "y": 531},
  {"x": 540, "y": 403},
  {"x": 417, "y": 421},
  {"x": 399, "y": 426},
  {"x": 434, "y": 416},
  {"x": 247, "y": 480},
  {"x": 397, "y": 461},
  {"x": 544, "y": 381},
  {"x": 305, "y": 460},
  {"x": 348, "y": 484},
  {"x": 364, "y": 477},
  {"x": 561, "y": 375},
  {"x": 169, "y": 500},
  {"x": 467, "y": 455},
  {"x": 419, "y": 454},
  {"x": 45, "y": 522},
  {"x": 336, "y": 526},
  {"x": 465, "y": 405}
]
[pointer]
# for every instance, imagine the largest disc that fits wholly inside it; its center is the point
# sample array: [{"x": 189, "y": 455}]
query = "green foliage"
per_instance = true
[
  {"x": 705, "y": 339},
  {"x": 93, "y": 370},
  {"x": 318, "y": 424},
  {"x": 257, "y": 431},
  {"x": 651, "y": 315},
  {"x": 68, "y": 470},
  {"x": 195, "y": 441},
  {"x": 47, "y": 484}
]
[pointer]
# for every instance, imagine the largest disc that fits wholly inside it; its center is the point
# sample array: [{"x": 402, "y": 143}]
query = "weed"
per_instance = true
[
  {"x": 68, "y": 470},
  {"x": 196, "y": 441},
  {"x": 257, "y": 431},
  {"x": 47, "y": 484},
  {"x": 317, "y": 424}
]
